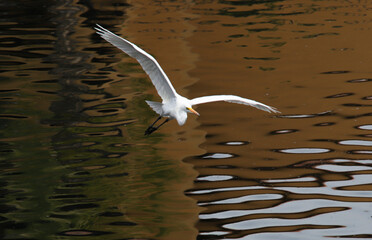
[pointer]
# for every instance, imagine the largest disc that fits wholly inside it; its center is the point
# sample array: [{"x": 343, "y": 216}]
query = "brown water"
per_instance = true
[{"x": 75, "y": 163}]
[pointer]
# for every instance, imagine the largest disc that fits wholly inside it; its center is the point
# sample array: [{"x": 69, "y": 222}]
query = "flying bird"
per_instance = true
[{"x": 173, "y": 106}]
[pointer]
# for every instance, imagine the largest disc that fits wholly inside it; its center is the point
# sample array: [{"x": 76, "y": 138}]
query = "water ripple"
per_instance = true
[
  {"x": 235, "y": 143},
  {"x": 330, "y": 188},
  {"x": 356, "y": 142},
  {"x": 301, "y": 179},
  {"x": 218, "y": 155},
  {"x": 339, "y": 95},
  {"x": 304, "y": 150},
  {"x": 214, "y": 233},
  {"x": 360, "y": 80},
  {"x": 244, "y": 199},
  {"x": 283, "y": 131},
  {"x": 331, "y": 224},
  {"x": 341, "y": 168},
  {"x": 296, "y": 206},
  {"x": 214, "y": 178},
  {"x": 360, "y": 152},
  {"x": 365, "y": 127},
  {"x": 207, "y": 191}
]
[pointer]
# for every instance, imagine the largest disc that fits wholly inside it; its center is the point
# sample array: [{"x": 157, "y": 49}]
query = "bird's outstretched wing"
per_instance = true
[
  {"x": 233, "y": 99},
  {"x": 148, "y": 63}
]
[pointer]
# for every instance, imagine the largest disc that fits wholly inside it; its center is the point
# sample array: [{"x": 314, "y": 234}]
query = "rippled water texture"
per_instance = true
[{"x": 76, "y": 165}]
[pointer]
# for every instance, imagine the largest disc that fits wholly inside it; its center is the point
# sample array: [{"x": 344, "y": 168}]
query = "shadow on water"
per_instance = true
[{"x": 74, "y": 161}]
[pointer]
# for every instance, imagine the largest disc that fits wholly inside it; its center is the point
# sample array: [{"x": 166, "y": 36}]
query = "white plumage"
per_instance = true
[{"x": 174, "y": 106}]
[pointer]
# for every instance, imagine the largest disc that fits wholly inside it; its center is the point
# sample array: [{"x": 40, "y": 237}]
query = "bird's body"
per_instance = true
[{"x": 173, "y": 106}]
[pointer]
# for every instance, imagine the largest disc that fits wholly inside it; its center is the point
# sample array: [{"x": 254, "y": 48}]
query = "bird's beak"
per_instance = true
[{"x": 193, "y": 111}]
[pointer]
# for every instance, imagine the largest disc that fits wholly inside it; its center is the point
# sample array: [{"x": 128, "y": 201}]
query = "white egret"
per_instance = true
[{"x": 173, "y": 106}]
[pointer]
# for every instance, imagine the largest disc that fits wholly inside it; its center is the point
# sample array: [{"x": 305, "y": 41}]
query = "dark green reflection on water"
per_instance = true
[{"x": 73, "y": 158}]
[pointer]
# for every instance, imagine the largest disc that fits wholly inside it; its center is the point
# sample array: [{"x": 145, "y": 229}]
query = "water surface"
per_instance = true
[{"x": 75, "y": 163}]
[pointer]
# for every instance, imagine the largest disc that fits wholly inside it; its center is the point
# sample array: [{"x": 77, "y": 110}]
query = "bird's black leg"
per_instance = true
[
  {"x": 152, "y": 129},
  {"x": 155, "y": 122},
  {"x": 166, "y": 120}
]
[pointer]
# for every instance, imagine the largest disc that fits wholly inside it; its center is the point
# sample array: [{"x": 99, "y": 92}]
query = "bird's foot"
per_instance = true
[{"x": 150, "y": 130}]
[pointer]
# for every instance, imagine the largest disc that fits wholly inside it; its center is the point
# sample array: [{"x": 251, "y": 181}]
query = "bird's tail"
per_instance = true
[{"x": 156, "y": 106}]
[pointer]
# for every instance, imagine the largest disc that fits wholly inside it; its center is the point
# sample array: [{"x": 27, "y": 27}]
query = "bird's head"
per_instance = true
[
  {"x": 191, "y": 110},
  {"x": 185, "y": 105}
]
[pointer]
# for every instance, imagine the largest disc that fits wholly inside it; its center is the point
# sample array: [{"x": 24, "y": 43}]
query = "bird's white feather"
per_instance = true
[
  {"x": 233, "y": 99},
  {"x": 148, "y": 63},
  {"x": 156, "y": 106}
]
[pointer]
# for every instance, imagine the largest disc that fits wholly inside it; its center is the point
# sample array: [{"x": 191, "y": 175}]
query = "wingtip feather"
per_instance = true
[{"x": 274, "y": 110}]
